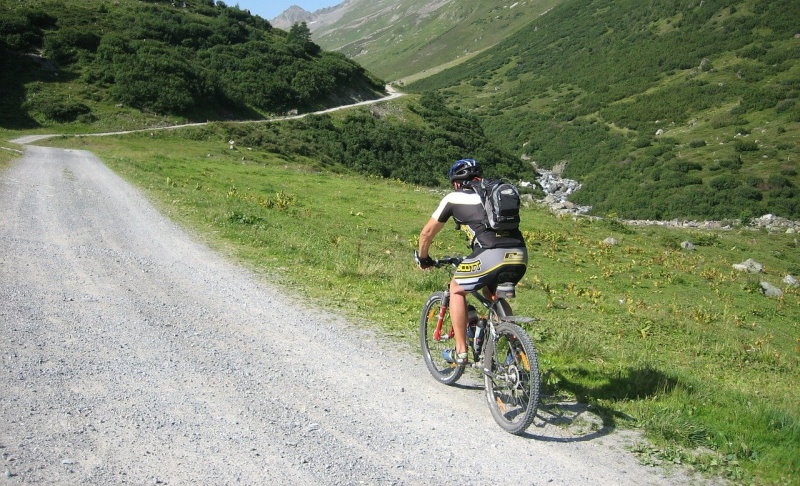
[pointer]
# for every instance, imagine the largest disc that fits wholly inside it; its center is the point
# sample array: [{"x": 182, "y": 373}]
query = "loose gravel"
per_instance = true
[{"x": 132, "y": 354}]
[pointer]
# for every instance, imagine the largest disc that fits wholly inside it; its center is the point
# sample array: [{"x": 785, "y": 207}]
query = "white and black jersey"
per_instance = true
[{"x": 464, "y": 206}]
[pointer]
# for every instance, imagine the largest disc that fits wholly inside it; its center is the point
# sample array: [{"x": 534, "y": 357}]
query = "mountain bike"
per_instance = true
[{"x": 500, "y": 349}]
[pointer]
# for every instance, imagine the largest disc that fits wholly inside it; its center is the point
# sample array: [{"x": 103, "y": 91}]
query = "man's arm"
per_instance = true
[{"x": 431, "y": 229}]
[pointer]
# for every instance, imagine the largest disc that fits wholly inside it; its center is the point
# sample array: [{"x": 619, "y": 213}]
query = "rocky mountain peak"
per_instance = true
[{"x": 291, "y": 16}]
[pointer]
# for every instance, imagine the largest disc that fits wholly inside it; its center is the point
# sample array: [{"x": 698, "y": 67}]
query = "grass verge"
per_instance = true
[{"x": 8, "y": 152}]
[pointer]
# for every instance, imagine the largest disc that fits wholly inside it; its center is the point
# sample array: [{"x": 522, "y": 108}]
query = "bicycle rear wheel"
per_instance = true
[
  {"x": 512, "y": 381},
  {"x": 442, "y": 370}
]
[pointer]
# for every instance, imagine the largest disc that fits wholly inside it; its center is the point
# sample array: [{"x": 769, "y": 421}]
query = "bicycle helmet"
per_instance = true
[{"x": 464, "y": 170}]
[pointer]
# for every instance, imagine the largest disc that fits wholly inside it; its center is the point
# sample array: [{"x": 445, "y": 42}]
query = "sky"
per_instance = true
[{"x": 272, "y": 8}]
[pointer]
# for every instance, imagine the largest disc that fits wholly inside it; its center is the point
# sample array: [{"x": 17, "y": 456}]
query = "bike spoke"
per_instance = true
[{"x": 513, "y": 385}]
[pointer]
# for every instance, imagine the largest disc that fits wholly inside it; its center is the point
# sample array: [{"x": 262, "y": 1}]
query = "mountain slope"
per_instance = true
[
  {"x": 395, "y": 38},
  {"x": 670, "y": 110},
  {"x": 78, "y": 60}
]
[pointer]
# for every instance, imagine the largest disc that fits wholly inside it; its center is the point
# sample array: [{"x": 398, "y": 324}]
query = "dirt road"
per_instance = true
[
  {"x": 131, "y": 354},
  {"x": 391, "y": 94}
]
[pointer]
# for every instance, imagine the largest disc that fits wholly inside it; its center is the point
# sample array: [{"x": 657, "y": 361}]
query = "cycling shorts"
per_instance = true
[{"x": 489, "y": 267}]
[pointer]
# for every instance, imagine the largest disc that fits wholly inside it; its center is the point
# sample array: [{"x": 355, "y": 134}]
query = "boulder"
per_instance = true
[
  {"x": 770, "y": 290},
  {"x": 610, "y": 241},
  {"x": 790, "y": 281},
  {"x": 749, "y": 266},
  {"x": 688, "y": 245}
]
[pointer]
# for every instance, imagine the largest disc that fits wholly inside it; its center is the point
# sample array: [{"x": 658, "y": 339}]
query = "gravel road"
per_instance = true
[{"x": 132, "y": 354}]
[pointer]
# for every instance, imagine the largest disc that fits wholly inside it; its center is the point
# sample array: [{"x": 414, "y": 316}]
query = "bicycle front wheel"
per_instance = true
[
  {"x": 432, "y": 345},
  {"x": 512, "y": 378}
]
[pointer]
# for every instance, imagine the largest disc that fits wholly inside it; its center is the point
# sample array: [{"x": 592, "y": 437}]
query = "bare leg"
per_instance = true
[{"x": 458, "y": 315}]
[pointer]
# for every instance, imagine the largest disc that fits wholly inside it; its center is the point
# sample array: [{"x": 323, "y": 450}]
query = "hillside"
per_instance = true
[
  {"x": 413, "y": 140},
  {"x": 682, "y": 109},
  {"x": 132, "y": 63},
  {"x": 395, "y": 39}
]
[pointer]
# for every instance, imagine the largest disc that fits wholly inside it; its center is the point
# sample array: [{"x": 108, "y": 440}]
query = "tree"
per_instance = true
[{"x": 299, "y": 40}]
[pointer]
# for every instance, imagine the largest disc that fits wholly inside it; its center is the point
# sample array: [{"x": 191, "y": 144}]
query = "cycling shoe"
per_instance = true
[{"x": 451, "y": 356}]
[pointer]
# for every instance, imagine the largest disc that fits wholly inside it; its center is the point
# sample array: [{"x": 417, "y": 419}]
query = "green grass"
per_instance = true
[
  {"x": 7, "y": 152},
  {"x": 675, "y": 342}
]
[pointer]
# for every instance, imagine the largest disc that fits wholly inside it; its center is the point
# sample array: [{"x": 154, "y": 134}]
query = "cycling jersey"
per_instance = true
[{"x": 464, "y": 206}]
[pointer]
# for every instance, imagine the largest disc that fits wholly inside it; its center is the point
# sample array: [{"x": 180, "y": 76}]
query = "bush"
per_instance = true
[
  {"x": 746, "y": 146},
  {"x": 784, "y": 106},
  {"x": 724, "y": 182},
  {"x": 788, "y": 172},
  {"x": 156, "y": 78},
  {"x": 65, "y": 111},
  {"x": 57, "y": 109},
  {"x": 684, "y": 166},
  {"x": 733, "y": 164},
  {"x": 749, "y": 193},
  {"x": 778, "y": 182}
]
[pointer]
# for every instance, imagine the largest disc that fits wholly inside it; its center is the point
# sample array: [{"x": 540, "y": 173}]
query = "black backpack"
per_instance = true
[{"x": 501, "y": 204}]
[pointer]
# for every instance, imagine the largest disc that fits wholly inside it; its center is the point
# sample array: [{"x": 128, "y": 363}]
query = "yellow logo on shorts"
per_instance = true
[
  {"x": 514, "y": 256},
  {"x": 469, "y": 267}
]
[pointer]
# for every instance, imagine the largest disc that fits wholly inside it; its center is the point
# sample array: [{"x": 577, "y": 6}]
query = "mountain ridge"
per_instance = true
[{"x": 315, "y": 20}]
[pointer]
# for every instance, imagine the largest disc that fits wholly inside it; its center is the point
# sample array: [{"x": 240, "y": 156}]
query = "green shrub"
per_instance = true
[
  {"x": 778, "y": 182},
  {"x": 724, "y": 182},
  {"x": 56, "y": 108},
  {"x": 733, "y": 164},
  {"x": 788, "y": 172},
  {"x": 749, "y": 193},
  {"x": 684, "y": 166},
  {"x": 745, "y": 146}
]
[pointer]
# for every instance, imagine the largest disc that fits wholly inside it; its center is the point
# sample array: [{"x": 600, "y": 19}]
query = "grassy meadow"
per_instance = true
[{"x": 672, "y": 341}]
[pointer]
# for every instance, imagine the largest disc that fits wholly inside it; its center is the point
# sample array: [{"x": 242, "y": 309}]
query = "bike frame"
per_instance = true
[{"x": 486, "y": 302}]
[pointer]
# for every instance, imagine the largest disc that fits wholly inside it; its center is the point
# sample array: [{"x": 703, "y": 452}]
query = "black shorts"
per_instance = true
[{"x": 488, "y": 267}]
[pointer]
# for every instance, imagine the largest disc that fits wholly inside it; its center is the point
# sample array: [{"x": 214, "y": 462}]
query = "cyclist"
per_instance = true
[{"x": 497, "y": 257}]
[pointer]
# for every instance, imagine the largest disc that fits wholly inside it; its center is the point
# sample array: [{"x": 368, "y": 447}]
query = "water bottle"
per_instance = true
[
  {"x": 472, "y": 322},
  {"x": 478, "y": 340},
  {"x": 472, "y": 316}
]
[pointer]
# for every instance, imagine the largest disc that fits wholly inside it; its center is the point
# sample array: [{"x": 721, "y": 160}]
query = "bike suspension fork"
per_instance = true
[{"x": 437, "y": 334}]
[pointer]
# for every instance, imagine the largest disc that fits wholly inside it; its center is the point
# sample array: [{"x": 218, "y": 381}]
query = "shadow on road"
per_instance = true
[
  {"x": 589, "y": 415},
  {"x": 577, "y": 422}
]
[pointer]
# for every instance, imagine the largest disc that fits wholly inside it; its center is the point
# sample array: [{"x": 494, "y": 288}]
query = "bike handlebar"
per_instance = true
[
  {"x": 441, "y": 262},
  {"x": 447, "y": 261}
]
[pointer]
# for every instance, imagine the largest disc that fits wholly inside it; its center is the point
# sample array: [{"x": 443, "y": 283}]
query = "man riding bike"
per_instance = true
[{"x": 497, "y": 257}]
